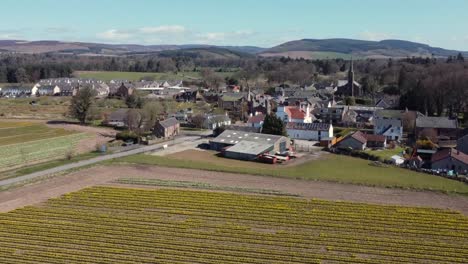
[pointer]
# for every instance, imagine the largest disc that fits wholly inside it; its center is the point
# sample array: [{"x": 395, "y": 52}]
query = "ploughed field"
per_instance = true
[
  {"x": 23, "y": 143},
  {"x": 127, "y": 225}
]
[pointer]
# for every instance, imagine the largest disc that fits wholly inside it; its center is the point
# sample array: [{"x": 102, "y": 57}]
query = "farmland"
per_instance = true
[
  {"x": 123, "y": 225},
  {"x": 136, "y": 76},
  {"x": 350, "y": 170},
  {"x": 25, "y": 143}
]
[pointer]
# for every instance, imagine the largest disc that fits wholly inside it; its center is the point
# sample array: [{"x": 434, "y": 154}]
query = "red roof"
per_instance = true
[
  {"x": 256, "y": 119},
  {"x": 294, "y": 112},
  {"x": 453, "y": 153},
  {"x": 359, "y": 136}
]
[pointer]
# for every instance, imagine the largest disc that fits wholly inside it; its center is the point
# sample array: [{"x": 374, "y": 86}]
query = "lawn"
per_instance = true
[
  {"x": 386, "y": 153},
  {"x": 130, "y": 225},
  {"x": 334, "y": 168},
  {"x": 136, "y": 76},
  {"x": 21, "y": 132}
]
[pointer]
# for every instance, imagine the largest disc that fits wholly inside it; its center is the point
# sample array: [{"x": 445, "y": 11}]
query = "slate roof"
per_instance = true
[
  {"x": 170, "y": 122},
  {"x": 446, "y": 153},
  {"x": 308, "y": 126},
  {"x": 120, "y": 114},
  {"x": 256, "y": 119},
  {"x": 389, "y": 113},
  {"x": 435, "y": 122}
]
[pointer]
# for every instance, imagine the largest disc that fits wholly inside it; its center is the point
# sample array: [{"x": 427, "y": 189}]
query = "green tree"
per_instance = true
[
  {"x": 350, "y": 100},
  {"x": 274, "y": 126},
  {"x": 82, "y": 103},
  {"x": 134, "y": 100}
]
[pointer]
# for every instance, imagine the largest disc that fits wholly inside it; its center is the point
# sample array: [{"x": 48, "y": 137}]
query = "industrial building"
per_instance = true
[{"x": 248, "y": 146}]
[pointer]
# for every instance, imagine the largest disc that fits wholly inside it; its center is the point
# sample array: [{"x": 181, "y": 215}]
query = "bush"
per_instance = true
[{"x": 127, "y": 136}]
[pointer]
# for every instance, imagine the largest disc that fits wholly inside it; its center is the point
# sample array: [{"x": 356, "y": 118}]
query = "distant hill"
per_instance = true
[
  {"x": 82, "y": 48},
  {"x": 305, "y": 48},
  {"x": 345, "y": 48}
]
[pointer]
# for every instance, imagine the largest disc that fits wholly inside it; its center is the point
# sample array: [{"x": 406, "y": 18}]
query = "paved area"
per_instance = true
[{"x": 96, "y": 160}]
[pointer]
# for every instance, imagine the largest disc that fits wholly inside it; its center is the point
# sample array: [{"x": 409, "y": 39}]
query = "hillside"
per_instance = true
[
  {"x": 344, "y": 48},
  {"x": 82, "y": 48}
]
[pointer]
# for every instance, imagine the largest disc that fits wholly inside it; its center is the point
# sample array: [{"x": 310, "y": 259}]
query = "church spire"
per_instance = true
[{"x": 351, "y": 77}]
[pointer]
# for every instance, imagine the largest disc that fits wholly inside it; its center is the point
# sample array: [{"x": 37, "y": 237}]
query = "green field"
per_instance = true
[
  {"x": 136, "y": 76},
  {"x": 334, "y": 168},
  {"x": 26, "y": 143},
  {"x": 124, "y": 226}
]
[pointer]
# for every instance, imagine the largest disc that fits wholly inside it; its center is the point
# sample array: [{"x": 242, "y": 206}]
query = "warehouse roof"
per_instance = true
[
  {"x": 250, "y": 147},
  {"x": 234, "y": 137}
]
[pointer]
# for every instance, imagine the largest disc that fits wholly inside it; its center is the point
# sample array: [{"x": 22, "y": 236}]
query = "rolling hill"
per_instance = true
[
  {"x": 305, "y": 48},
  {"x": 344, "y": 48}
]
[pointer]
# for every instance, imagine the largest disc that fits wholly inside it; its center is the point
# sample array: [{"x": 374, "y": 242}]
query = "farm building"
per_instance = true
[
  {"x": 355, "y": 141},
  {"x": 117, "y": 118},
  {"x": 436, "y": 128},
  {"x": 450, "y": 159},
  {"x": 462, "y": 144},
  {"x": 309, "y": 131},
  {"x": 167, "y": 128},
  {"x": 248, "y": 146}
]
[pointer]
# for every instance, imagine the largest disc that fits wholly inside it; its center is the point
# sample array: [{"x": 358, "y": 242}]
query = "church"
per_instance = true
[{"x": 349, "y": 87}]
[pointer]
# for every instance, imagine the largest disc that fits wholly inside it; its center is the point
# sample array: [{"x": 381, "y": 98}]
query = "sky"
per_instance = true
[{"x": 263, "y": 23}]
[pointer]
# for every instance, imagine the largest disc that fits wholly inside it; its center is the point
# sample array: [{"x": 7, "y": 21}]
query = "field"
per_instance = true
[
  {"x": 25, "y": 143},
  {"x": 46, "y": 107},
  {"x": 136, "y": 76},
  {"x": 123, "y": 225},
  {"x": 335, "y": 168}
]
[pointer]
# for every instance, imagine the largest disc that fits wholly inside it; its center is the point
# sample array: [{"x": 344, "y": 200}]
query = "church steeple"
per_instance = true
[{"x": 351, "y": 77}]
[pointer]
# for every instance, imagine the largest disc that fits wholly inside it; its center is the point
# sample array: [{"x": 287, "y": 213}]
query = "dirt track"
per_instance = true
[{"x": 100, "y": 175}]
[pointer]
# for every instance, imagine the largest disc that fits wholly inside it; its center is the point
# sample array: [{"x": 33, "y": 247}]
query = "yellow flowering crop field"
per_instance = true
[{"x": 128, "y": 225}]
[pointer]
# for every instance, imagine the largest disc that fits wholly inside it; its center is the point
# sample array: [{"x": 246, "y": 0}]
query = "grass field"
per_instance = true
[
  {"x": 25, "y": 143},
  {"x": 334, "y": 168},
  {"x": 386, "y": 153},
  {"x": 118, "y": 225},
  {"x": 46, "y": 107},
  {"x": 136, "y": 76}
]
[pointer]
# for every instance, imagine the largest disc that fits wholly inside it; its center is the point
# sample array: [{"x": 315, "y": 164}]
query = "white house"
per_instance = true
[
  {"x": 214, "y": 121},
  {"x": 309, "y": 131},
  {"x": 45, "y": 90},
  {"x": 295, "y": 114},
  {"x": 389, "y": 124}
]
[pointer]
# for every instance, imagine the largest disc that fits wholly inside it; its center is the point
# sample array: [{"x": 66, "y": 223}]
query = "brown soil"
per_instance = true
[{"x": 310, "y": 189}]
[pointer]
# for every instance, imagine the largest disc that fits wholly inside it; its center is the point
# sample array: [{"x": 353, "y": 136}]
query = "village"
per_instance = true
[{"x": 275, "y": 126}]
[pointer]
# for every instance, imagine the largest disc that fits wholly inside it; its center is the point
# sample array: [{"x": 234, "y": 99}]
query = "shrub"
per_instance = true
[{"x": 127, "y": 136}]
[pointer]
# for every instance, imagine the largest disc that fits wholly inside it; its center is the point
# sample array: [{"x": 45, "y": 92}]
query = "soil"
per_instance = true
[{"x": 105, "y": 175}]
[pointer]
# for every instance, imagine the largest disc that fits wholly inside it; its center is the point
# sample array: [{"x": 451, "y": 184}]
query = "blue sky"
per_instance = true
[{"x": 235, "y": 22}]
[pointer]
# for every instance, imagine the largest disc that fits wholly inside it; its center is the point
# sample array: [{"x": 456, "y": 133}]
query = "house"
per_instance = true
[
  {"x": 309, "y": 131},
  {"x": 214, "y": 121},
  {"x": 355, "y": 141},
  {"x": 232, "y": 101},
  {"x": 360, "y": 141},
  {"x": 117, "y": 118},
  {"x": 450, "y": 159},
  {"x": 296, "y": 114},
  {"x": 16, "y": 91},
  {"x": 436, "y": 128},
  {"x": 388, "y": 101},
  {"x": 248, "y": 146},
  {"x": 123, "y": 90},
  {"x": 256, "y": 121},
  {"x": 389, "y": 124},
  {"x": 45, "y": 90},
  {"x": 462, "y": 144},
  {"x": 376, "y": 141},
  {"x": 167, "y": 128}
]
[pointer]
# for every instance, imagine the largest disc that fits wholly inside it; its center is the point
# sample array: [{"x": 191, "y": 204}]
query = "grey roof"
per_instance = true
[
  {"x": 250, "y": 147},
  {"x": 435, "y": 122},
  {"x": 170, "y": 122},
  {"x": 233, "y": 137},
  {"x": 217, "y": 118},
  {"x": 120, "y": 114},
  {"x": 389, "y": 113},
  {"x": 308, "y": 126}
]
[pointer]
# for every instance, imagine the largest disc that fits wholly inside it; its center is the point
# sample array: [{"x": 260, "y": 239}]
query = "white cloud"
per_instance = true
[
  {"x": 233, "y": 36},
  {"x": 114, "y": 35},
  {"x": 375, "y": 36},
  {"x": 165, "y": 29}
]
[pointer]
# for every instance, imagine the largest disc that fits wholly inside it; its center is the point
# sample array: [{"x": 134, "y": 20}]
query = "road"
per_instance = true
[{"x": 97, "y": 160}]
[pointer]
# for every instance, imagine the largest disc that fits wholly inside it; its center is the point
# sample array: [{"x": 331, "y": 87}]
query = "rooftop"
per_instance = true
[
  {"x": 234, "y": 137},
  {"x": 435, "y": 122},
  {"x": 308, "y": 126},
  {"x": 445, "y": 153},
  {"x": 169, "y": 122},
  {"x": 250, "y": 147}
]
